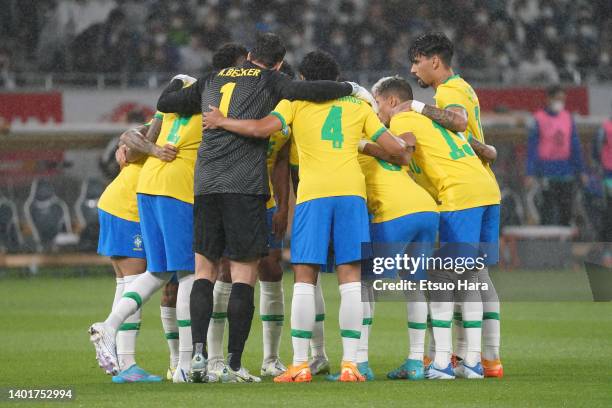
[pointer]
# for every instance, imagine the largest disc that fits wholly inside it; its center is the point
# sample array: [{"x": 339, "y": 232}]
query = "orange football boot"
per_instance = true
[
  {"x": 426, "y": 361},
  {"x": 493, "y": 368},
  {"x": 350, "y": 373},
  {"x": 296, "y": 374}
]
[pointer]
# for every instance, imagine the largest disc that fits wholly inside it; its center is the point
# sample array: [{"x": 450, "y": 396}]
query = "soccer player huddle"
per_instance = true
[{"x": 200, "y": 208}]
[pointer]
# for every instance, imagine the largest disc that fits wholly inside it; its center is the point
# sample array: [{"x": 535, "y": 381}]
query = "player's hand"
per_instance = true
[
  {"x": 212, "y": 119},
  {"x": 409, "y": 139},
  {"x": 405, "y": 106},
  {"x": 279, "y": 223},
  {"x": 187, "y": 80},
  {"x": 166, "y": 153},
  {"x": 121, "y": 156},
  {"x": 362, "y": 93}
]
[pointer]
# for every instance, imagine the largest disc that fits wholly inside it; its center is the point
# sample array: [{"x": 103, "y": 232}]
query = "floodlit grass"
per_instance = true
[{"x": 554, "y": 353}]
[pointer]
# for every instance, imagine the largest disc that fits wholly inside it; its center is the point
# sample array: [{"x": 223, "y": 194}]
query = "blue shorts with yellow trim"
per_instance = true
[
  {"x": 273, "y": 242},
  {"x": 478, "y": 225},
  {"x": 119, "y": 237},
  {"x": 167, "y": 229},
  {"x": 342, "y": 219}
]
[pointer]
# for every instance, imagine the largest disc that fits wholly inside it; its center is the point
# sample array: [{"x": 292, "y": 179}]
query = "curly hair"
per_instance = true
[
  {"x": 318, "y": 65},
  {"x": 431, "y": 44}
]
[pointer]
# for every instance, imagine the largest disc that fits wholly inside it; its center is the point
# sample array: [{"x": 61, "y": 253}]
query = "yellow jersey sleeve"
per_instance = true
[
  {"x": 174, "y": 179},
  {"x": 448, "y": 97},
  {"x": 372, "y": 127},
  {"x": 285, "y": 112}
]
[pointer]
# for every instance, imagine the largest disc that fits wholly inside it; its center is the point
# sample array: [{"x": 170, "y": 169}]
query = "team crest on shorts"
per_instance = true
[{"x": 137, "y": 242}]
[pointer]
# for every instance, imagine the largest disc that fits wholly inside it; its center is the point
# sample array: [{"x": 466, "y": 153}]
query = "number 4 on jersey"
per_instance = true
[{"x": 332, "y": 128}]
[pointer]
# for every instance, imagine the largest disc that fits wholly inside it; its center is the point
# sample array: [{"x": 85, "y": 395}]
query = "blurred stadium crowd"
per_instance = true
[{"x": 514, "y": 41}]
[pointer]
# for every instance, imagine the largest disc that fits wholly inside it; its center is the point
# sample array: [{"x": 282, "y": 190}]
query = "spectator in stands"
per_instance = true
[
  {"x": 194, "y": 56},
  {"x": 537, "y": 69},
  {"x": 554, "y": 158},
  {"x": 602, "y": 155}
]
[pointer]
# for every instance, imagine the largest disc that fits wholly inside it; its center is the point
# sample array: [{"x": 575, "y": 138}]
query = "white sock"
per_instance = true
[
  {"x": 128, "y": 331},
  {"x": 118, "y": 291},
  {"x": 317, "y": 343},
  {"x": 134, "y": 296},
  {"x": 350, "y": 319},
  {"x": 441, "y": 320},
  {"x": 168, "y": 318},
  {"x": 272, "y": 312},
  {"x": 459, "y": 332},
  {"x": 302, "y": 320},
  {"x": 366, "y": 323},
  {"x": 216, "y": 328},
  {"x": 431, "y": 348},
  {"x": 417, "y": 325},
  {"x": 490, "y": 318},
  {"x": 472, "y": 325},
  {"x": 183, "y": 318}
]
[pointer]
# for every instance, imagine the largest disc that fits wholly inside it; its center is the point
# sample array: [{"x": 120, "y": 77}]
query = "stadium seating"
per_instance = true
[
  {"x": 11, "y": 239},
  {"x": 47, "y": 216},
  {"x": 86, "y": 211}
]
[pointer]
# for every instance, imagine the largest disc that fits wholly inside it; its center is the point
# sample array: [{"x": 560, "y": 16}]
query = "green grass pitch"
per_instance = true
[{"x": 555, "y": 354}]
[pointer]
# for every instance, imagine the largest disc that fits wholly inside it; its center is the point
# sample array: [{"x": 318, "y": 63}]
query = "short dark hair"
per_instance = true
[
  {"x": 395, "y": 85},
  {"x": 287, "y": 69},
  {"x": 228, "y": 55},
  {"x": 269, "y": 49},
  {"x": 554, "y": 90},
  {"x": 431, "y": 44},
  {"x": 318, "y": 65}
]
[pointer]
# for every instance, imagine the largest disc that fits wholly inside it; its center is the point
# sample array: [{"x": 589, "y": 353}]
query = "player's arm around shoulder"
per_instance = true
[
  {"x": 140, "y": 145},
  {"x": 255, "y": 128},
  {"x": 453, "y": 118}
]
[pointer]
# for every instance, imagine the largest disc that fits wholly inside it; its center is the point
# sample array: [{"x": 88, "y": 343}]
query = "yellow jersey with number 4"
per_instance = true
[
  {"x": 450, "y": 164},
  {"x": 455, "y": 91},
  {"x": 275, "y": 144},
  {"x": 174, "y": 179},
  {"x": 327, "y": 138},
  {"x": 391, "y": 192}
]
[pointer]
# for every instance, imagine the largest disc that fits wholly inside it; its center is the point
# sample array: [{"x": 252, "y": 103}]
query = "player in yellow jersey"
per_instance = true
[
  {"x": 121, "y": 239},
  {"x": 330, "y": 203},
  {"x": 165, "y": 204},
  {"x": 458, "y": 109},
  {"x": 466, "y": 194}
]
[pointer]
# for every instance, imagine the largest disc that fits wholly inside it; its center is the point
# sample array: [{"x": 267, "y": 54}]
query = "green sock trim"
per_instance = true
[
  {"x": 490, "y": 316},
  {"x": 320, "y": 317},
  {"x": 129, "y": 326},
  {"x": 172, "y": 336},
  {"x": 183, "y": 323},
  {"x": 302, "y": 334},
  {"x": 472, "y": 324},
  {"x": 441, "y": 323},
  {"x": 134, "y": 296},
  {"x": 218, "y": 315},
  {"x": 272, "y": 318},
  {"x": 351, "y": 334},
  {"x": 417, "y": 326},
  {"x": 367, "y": 321},
  {"x": 457, "y": 316}
]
